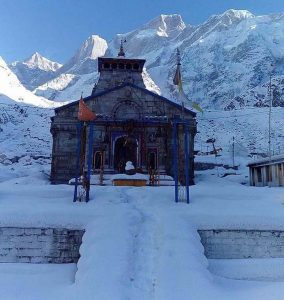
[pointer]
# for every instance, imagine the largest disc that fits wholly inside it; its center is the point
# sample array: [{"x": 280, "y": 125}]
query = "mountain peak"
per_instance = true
[
  {"x": 83, "y": 62},
  {"x": 93, "y": 47},
  {"x": 166, "y": 25},
  {"x": 34, "y": 59},
  {"x": 226, "y": 19},
  {"x": 238, "y": 13},
  {"x": 37, "y": 61}
]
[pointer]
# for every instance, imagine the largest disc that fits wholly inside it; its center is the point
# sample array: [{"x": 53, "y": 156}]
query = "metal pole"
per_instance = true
[
  {"x": 78, "y": 154},
  {"x": 175, "y": 159},
  {"x": 269, "y": 119},
  {"x": 89, "y": 162},
  {"x": 186, "y": 133},
  {"x": 233, "y": 151}
]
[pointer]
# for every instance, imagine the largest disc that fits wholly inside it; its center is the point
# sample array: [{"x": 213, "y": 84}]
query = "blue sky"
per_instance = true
[{"x": 56, "y": 28}]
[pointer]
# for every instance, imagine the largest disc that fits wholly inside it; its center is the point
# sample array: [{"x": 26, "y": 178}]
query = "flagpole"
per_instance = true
[
  {"x": 85, "y": 116},
  {"x": 181, "y": 92}
]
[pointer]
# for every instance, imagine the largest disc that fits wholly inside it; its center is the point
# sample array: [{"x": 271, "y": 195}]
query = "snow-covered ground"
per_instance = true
[
  {"x": 35, "y": 281},
  {"x": 249, "y": 269},
  {"x": 140, "y": 244}
]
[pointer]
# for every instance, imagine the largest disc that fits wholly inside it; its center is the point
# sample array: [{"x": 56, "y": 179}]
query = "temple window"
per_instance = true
[
  {"x": 106, "y": 66},
  {"x": 136, "y": 66}
]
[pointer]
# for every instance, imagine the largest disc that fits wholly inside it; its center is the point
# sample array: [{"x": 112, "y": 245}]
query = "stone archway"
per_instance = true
[
  {"x": 127, "y": 109},
  {"x": 125, "y": 149}
]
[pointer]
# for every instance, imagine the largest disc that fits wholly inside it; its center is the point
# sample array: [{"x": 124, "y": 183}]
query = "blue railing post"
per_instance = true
[
  {"x": 78, "y": 154},
  {"x": 186, "y": 133},
  {"x": 89, "y": 161},
  {"x": 175, "y": 146}
]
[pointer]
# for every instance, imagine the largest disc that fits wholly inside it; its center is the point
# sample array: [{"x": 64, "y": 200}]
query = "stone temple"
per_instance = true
[{"x": 132, "y": 124}]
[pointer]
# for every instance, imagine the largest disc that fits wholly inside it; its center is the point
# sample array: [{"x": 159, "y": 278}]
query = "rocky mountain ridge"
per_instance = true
[{"x": 226, "y": 61}]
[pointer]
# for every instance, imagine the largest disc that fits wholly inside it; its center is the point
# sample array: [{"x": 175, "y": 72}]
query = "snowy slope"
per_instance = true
[
  {"x": 11, "y": 89},
  {"x": 35, "y": 70},
  {"x": 248, "y": 127},
  {"x": 25, "y": 131},
  {"x": 68, "y": 87}
]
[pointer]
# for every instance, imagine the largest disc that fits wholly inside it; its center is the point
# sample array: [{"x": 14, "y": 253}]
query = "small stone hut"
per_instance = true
[{"x": 132, "y": 124}]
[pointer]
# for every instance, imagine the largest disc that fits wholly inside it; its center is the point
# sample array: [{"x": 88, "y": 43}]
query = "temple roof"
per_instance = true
[{"x": 86, "y": 99}]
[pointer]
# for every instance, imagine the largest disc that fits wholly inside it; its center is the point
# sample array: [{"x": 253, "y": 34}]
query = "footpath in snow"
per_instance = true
[{"x": 139, "y": 244}]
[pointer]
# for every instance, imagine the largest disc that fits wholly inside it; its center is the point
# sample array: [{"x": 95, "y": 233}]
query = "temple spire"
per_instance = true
[
  {"x": 178, "y": 57},
  {"x": 177, "y": 80},
  {"x": 121, "y": 52}
]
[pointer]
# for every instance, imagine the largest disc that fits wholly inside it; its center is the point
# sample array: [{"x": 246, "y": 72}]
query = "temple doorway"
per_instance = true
[{"x": 125, "y": 149}]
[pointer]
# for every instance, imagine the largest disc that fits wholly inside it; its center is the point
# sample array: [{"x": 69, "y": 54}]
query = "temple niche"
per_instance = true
[{"x": 132, "y": 124}]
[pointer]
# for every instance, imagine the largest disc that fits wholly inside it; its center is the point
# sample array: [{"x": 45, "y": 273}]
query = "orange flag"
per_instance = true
[{"x": 84, "y": 113}]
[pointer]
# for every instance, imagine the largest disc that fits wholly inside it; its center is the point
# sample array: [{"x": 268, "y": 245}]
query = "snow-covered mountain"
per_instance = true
[
  {"x": 35, "y": 70},
  {"x": 84, "y": 60},
  {"x": 12, "y": 90},
  {"x": 226, "y": 61},
  {"x": 151, "y": 40},
  {"x": 37, "y": 61},
  {"x": 78, "y": 75}
]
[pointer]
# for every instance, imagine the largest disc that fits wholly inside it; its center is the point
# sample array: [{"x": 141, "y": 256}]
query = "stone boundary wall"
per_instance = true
[
  {"x": 39, "y": 245},
  {"x": 240, "y": 244}
]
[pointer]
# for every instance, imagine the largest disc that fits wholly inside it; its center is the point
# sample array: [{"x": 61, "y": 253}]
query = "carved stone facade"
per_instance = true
[{"x": 132, "y": 123}]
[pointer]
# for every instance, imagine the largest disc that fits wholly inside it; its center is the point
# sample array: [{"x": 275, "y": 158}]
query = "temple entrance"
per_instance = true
[
  {"x": 152, "y": 162},
  {"x": 98, "y": 160},
  {"x": 125, "y": 149}
]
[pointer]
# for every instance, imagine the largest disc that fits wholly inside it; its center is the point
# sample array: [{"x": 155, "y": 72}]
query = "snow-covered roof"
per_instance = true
[{"x": 268, "y": 161}]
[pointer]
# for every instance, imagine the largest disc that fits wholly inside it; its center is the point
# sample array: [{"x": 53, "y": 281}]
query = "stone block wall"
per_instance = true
[
  {"x": 240, "y": 244},
  {"x": 39, "y": 245}
]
